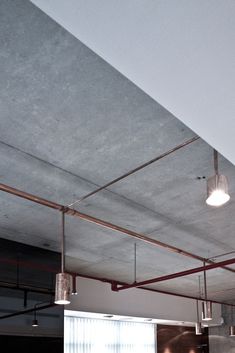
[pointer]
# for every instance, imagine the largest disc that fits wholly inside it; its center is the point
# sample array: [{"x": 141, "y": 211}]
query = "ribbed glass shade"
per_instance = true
[
  {"x": 198, "y": 328},
  {"x": 217, "y": 190},
  {"x": 62, "y": 288},
  {"x": 231, "y": 330},
  {"x": 206, "y": 311}
]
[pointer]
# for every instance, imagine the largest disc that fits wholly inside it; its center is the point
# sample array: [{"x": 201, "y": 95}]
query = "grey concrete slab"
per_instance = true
[{"x": 69, "y": 123}]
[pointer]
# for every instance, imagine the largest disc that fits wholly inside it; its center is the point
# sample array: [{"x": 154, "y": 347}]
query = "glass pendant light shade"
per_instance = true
[
  {"x": 206, "y": 311},
  {"x": 217, "y": 190},
  {"x": 62, "y": 289},
  {"x": 198, "y": 328}
]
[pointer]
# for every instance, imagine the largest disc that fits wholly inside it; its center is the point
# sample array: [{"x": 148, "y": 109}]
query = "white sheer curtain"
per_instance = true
[{"x": 83, "y": 335}]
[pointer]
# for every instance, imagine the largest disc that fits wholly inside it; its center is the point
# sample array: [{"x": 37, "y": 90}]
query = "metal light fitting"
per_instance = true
[
  {"x": 35, "y": 321},
  {"x": 74, "y": 286},
  {"x": 206, "y": 304},
  {"x": 231, "y": 331},
  {"x": 198, "y": 325},
  {"x": 232, "y": 327},
  {"x": 206, "y": 311},
  {"x": 63, "y": 279},
  {"x": 217, "y": 187},
  {"x": 198, "y": 328}
]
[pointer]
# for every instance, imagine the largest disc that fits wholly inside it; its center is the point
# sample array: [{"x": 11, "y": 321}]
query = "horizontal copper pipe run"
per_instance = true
[
  {"x": 102, "y": 223},
  {"x": 178, "y": 274},
  {"x": 113, "y": 283}
]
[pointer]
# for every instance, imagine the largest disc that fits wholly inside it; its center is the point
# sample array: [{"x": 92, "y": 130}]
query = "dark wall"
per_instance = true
[
  {"x": 13, "y": 344},
  {"x": 27, "y": 278},
  {"x": 180, "y": 339}
]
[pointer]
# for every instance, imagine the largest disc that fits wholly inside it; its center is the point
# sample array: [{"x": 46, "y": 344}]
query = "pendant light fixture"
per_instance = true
[
  {"x": 217, "y": 187},
  {"x": 63, "y": 279},
  {"x": 198, "y": 325},
  {"x": 232, "y": 327},
  {"x": 74, "y": 286},
  {"x": 206, "y": 305},
  {"x": 35, "y": 321}
]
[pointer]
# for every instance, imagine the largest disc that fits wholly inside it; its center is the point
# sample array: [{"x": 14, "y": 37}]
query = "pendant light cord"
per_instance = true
[
  {"x": 197, "y": 311},
  {"x": 62, "y": 245},
  {"x": 216, "y": 167},
  {"x": 205, "y": 285},
  {"x": 135, "y": 263}
]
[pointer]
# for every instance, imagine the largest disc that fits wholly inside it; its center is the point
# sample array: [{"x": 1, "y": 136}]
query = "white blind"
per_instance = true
[{"x": 82, "y": 335}]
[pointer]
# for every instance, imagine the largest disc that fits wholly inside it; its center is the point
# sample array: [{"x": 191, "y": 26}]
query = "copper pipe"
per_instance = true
[
  {"x": 30, "y": 197},
  {"x": 179, "y": 274},
  {"x": 101, "y": 223},
  {"x": 161, "y": 156},
  {"x": 184, "y": 296},
  {"x": 131, "y": 233},
  {"x": 113, "y": 283}
]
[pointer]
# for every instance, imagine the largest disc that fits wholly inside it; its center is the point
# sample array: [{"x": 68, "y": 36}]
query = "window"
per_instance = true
[{"x": 83, "y": 335}]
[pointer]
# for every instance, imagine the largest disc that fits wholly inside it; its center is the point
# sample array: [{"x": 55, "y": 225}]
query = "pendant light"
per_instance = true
[
  {"x": 63, "y": 279},
  {"x": 217, "y": 187},
  {"x": 206, "y": 305},
  {"x": 35, "y": 321},
  {"x": 198, "y": 325},
  {"x": 74, "y": 286},
  {"x": 232, "y": 327}
]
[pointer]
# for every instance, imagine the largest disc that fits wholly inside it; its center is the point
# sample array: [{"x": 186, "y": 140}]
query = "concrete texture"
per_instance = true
[
  {"x": 182, "y": 56},
  {"x": 69, "y": 122}
]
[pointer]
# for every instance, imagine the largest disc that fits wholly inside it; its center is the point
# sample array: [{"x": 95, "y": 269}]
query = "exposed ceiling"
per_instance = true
[
  {"x": 69, "y": 123},
  {"x": 181, "y": 53}
]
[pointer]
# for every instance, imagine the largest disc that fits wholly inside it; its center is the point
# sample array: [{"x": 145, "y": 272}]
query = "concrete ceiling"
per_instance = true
[
  {"x": 69, "y": 123},
  {"x": 180, "y": 53}
]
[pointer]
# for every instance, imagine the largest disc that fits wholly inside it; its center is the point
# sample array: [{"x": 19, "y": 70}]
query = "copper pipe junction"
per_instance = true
[{"x": 115, "y": 285}]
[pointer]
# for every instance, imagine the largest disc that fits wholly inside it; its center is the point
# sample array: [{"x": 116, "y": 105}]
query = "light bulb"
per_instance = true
[
  {"x": 217, "y": 198},
  {"x": 217, "y": 191}
]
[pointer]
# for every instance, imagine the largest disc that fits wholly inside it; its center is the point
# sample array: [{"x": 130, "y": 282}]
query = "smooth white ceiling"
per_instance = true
[{"x": 181, "y": 53}]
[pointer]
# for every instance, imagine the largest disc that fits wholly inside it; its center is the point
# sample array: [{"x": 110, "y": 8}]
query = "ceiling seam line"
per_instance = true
[{"x": 161, "y": 216}]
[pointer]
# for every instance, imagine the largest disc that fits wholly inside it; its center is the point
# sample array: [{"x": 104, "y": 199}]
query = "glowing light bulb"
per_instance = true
[{"x": 217, "y": 191}]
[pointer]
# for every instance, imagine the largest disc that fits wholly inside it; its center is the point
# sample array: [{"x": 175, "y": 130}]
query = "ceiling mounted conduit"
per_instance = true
[
  {"x": 103, "y": 223},
  {"x": 114, "y": 283},
  {"x": 178, "y": 274}
]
